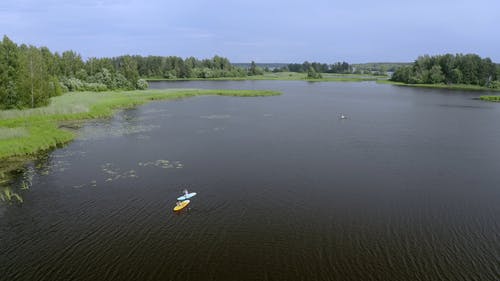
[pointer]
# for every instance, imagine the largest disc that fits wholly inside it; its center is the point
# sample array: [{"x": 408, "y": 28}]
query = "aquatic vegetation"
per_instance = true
[
  {"x": 27, "y": 179},
  {"x": 68, "y": 153},
  {"x": 45, "y": 166},
  {"x": 109, "y": 131},
  {"x": 143, "y": 137},
  {"x": 112, "y": 173},
  {"x": 7, "y": 195},
  {"x": 27, "y": 132},
  {"x": 490, "y": 98},
  {"x": 14, "y": 175},
  {"x": 92, "y": 183},
  {"x": 165, "y": 164},
  {"x": 21, "y": 175},
  {"x": 25, "y": 185},
  {"x": 216, "y": 116}
]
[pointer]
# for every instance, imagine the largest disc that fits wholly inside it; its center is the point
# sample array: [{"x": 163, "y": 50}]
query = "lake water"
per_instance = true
[{"x": 406, "y": 188}]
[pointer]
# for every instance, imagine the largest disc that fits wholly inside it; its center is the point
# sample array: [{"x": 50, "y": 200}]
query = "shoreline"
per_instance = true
[
  {"x": 281, "y": 76},
  {"x": 463, "y": 87},
  {"x": 43, "y": 128}
]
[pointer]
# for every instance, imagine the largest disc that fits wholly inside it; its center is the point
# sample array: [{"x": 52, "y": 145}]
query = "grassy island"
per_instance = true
[
  {"x": 490, "y": 98},
  {"x": 26, "y": 132}
]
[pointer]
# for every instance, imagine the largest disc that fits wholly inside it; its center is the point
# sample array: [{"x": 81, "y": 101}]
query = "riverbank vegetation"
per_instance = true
[
  {"x": 490, "y": 98},
  {"x": 450, "y": 71},
  {"x": 463, "y": 87},
  {"x": 31, "y": 130}
]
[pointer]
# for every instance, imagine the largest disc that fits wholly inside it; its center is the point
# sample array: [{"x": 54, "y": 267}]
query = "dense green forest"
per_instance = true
[
  {"x": 175, "y": 67},
  {"x": 469, "y": 69},
  {"x": 30, "y": 75}
]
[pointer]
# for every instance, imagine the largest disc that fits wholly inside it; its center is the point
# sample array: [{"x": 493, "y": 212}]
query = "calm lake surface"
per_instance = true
[{"x": 407, "y": 188}]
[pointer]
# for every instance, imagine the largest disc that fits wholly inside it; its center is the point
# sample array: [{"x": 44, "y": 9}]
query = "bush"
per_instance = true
[
  {"x": 73, "y": 84},
  {"x": 142, "y": 84},
  {"x": 64, "y": 89},
  {"x": 104, "y": 77},
  {"x": 494, "y": 84},
  {"x": 120, "y": 82},
  {"x": 170, "y": 75},
  {"x": 312, "y": 74},
  {"x": 55, "y": 87}
]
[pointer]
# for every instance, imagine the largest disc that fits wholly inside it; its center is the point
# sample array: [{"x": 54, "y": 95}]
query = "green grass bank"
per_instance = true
[
  {"x": 26, "y": 132},
  {"x": 464, "y": 87},
  {"x": 490, "y": 98}
]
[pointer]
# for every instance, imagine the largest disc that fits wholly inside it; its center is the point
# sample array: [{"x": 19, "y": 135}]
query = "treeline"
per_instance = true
[
  {"x": 30, "y": 75},
  {"x": 175, "y": 67},
  {"x": 306, "y": 67},
  {"x": 468, "y": 69}
]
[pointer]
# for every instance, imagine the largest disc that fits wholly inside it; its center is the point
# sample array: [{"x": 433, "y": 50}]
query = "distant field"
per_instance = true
[
  {"x": 327, "y": 77},
  {"x": 378, "y": 66}
]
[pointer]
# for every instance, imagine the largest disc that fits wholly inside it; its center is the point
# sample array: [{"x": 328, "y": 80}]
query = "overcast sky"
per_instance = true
[{"x": 260, "y": 30}]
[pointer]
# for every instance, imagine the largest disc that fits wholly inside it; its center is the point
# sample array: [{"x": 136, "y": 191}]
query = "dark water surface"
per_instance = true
[{"x": 407, "y": 188}]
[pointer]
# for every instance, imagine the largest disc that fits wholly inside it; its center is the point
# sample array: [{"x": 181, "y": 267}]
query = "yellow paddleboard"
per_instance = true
[{"x": 181, "y": 205}]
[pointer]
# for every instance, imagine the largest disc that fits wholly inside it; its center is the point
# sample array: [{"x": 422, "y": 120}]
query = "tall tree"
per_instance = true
[
  {"x": 34, "y": 79},
  {"x": 436, "y": 75},
  {"x": 9, "y": 71},
  {"x": 254, "y": 69},
  {"x": 70, "y": 63},
  {"x": 128, "y": 68}
]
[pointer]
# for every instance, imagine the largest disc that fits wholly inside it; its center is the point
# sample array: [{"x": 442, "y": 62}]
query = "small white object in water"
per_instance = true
[{"x": 342, "y": 116}]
